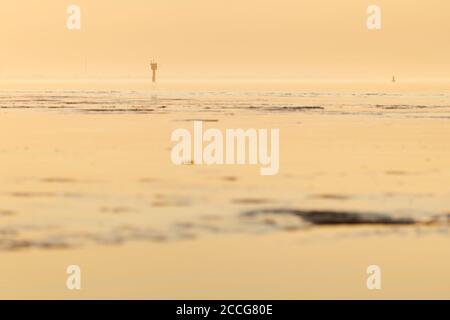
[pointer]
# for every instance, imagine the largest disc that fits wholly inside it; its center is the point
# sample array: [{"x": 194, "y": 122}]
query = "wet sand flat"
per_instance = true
[
  {"x": 91, "y": 183},
  {"x": 276, "y": 266}
]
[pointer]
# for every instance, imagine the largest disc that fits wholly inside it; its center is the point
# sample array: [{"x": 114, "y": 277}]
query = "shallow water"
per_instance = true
[{"x": 383, "y": 104}]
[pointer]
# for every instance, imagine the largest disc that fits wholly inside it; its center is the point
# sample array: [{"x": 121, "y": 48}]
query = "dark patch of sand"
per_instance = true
[{"x": 329, "y": 217}]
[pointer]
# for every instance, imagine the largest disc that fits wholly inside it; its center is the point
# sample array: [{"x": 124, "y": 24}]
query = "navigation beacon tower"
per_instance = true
[{"x": 154, "y": 68}]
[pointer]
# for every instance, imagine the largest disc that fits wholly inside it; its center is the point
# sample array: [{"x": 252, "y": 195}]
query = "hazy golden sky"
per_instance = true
[{"x": 225, "y": 38}]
